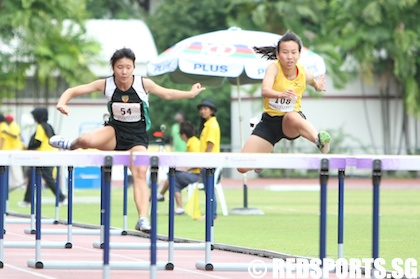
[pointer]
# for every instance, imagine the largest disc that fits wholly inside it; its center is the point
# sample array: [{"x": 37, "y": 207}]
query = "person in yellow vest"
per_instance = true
[
  {"x": 13, "y": 141},
  {"x": 3, "y": 127},
  {"x": 40, "y": 142},
  {"x": 183, "y": 177},
  {"x": 209, "y": 137},
  {"x": 282, "y": 88}
]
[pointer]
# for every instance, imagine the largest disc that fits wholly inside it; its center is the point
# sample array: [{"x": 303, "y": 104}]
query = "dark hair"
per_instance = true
[
  {"x": 270, "y": 51},
  {"x": 122, "y": 53},
  {"x": 40, "y": 114},
  {"x": 187, "y": 129}
]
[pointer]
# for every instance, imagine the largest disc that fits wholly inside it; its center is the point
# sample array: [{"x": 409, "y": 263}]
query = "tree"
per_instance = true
[
  {"x": 177, "y": 20},
  {"x": 44, "y": 39},
  {"x": 300, "y": 16},
  {"x": 112, "y": 9},
  {"x": 383, "y": 39}
]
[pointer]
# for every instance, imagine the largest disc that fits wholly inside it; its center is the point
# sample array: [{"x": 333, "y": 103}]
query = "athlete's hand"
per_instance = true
[
  {"x": 290, "y": 94},
  {"x": 320, "y": 83},
  {"x": 196, "y": 89},
  {"x": 64, "y": 109}
]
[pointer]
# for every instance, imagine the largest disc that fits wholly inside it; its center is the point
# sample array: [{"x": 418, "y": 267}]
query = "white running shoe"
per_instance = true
[
  {"x": 24, "y": 204},
  {"x": 179, "y": 211},
  {"x": 143, "y": 225},
  {"x": 323, "y": 142},
  {"x": 64, "y": 202},
  {"x": 60, "y": 142}
]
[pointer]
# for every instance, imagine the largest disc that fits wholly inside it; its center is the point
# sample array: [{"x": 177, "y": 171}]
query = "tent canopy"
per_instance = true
[{"x": 114, "y": 34}]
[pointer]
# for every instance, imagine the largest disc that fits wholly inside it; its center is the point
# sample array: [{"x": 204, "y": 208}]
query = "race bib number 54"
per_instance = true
[{"x": 126, "y": 112}]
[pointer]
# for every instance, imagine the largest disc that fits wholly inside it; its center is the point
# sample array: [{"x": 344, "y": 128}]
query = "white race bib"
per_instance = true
[
  {"x": 282, "y": 104},
  {"x": 126, "y": 112}
]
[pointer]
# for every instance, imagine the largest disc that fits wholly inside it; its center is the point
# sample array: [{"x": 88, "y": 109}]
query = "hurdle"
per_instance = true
[
  {"x": 286, "y": 161},
  {"x": 378, "y": 164},
  {"x": 69, "y": 230},
  {"x": 103, "y": 159},
  {"x": 170, "y": 245},
  {"x": 22, "y": 244},
  {"x": 260, "y": 160},
  {"x": 321, "y": 162},
  {"x": 31, "y": 221}
]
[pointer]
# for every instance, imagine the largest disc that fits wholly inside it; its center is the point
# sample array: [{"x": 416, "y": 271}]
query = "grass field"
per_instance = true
[{"x": 290, "y": 223}]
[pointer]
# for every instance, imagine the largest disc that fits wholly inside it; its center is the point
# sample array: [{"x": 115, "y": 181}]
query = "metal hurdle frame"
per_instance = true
[
  {"x": 323, "y": 163},
  {"x": 106, "y": 265},
  {"x": 291, "y": 161},
  {"x": 378, "y": 164},
  {"x": 170, "y": 245},
  {"x": 69, "y": 230},
  {"x": 31, "y": 221},
  {"x": 36, "y": 180}
]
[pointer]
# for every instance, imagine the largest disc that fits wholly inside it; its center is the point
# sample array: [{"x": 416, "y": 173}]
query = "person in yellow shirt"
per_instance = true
[
  {"x": 282, "y": 88},
  {"x": 209, "y": 137},
  {"x": 183, "y": 177},
  {"x": 40, "y": 142},
  {"x": 11, "y": 134},
  {"x": 3, "y": 126},
  {"x": 12, "y": 141}
]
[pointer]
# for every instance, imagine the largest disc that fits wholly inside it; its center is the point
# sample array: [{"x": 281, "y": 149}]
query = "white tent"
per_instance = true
[{"x": 114, "y": 34}]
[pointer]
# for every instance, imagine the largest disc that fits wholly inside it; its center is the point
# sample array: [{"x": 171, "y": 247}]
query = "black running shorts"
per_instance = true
[
  {"x": 270, "y": 128},
  {"x": 127, "y": 138}
]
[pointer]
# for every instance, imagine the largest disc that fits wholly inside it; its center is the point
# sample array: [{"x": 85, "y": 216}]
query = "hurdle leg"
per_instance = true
[
  {"x": 57, "y": 196},
  {"x": 101, "y": 237},
  {"x": 207, "y": 265},
  {"x": 340, "y": 237},
  {"x": 376, "y": 178},
  {"x": 70, "y": 206},
  {"x": 125, "y": 203},
  {"x": 2, "y": 204},
  {"x": 38, "y": 214},
  {"x": 154, "y": 169},
  {"x": 323, "y": 175},
  {"x": 33, "y": 193},
  {"x": 107, "y": 171},
  {"x": 171, "y": 221}
]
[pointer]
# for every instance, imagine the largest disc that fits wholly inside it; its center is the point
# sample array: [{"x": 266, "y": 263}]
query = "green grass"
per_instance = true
[{"x": 290, "y": 224}]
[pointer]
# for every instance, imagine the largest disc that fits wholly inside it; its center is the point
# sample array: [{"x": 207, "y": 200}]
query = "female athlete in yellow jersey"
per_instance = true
[{"x": 282, "y": 88}]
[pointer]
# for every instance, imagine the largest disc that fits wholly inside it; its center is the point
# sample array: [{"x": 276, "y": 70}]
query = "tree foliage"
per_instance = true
[
  {"x": 380, "y": 37},
  {"x": 111, "y": 9},
  {"x": 300, "y": 16},
  {"x": 176, "y": 20},
  {"x": 43, "y": 38},
  {"x": 383, "y": 38}
]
